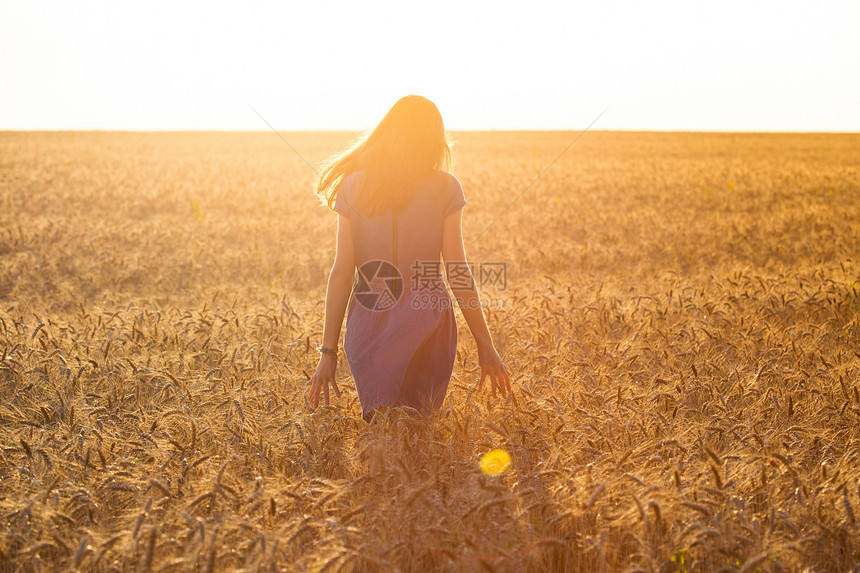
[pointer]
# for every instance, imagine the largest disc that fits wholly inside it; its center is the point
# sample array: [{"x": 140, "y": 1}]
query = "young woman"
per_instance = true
[{"x": 398, "y": 209}]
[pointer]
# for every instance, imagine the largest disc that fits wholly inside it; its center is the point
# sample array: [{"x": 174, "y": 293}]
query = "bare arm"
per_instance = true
[
  {"x": 454, "y": 255},
  {"x": 339, "y": 283},
  {"x": 336, "y": 299}
]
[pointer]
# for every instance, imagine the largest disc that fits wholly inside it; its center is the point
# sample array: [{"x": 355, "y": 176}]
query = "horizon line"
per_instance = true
[{"x": 490, "y": 130}]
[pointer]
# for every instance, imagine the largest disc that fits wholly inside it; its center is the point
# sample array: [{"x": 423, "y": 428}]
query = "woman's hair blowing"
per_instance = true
[{"x": 407, "y": 146}]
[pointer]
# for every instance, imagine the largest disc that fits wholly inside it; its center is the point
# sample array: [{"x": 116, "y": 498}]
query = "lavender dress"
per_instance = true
[{"x": 401, "y": 333}]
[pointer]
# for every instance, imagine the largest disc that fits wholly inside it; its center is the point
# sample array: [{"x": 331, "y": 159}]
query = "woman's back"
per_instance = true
[{"x": 418, "y": 241}]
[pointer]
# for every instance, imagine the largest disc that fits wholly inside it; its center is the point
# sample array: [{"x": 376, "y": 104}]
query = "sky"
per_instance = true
[{"x": 209, "y": 65}]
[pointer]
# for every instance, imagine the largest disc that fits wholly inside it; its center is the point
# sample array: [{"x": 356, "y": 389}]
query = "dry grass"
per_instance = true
[{"x": 682, "y": 317}]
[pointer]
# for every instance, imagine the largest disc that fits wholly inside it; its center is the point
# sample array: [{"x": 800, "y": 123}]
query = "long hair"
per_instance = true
[{"x": 406, "y": 147}]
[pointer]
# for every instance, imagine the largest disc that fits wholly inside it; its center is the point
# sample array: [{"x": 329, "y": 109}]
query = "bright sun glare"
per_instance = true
[{"x": 488, "y": 65}]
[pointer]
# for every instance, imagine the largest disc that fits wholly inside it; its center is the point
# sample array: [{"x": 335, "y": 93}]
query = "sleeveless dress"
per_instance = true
[{"x": 401, "y": 333}]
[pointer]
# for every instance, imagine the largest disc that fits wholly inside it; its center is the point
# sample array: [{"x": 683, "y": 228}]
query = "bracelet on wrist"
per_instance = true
[{"x": 324, "y": 350}]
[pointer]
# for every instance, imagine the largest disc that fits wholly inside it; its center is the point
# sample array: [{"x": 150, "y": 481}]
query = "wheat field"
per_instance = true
[{"x": 681, "y": 317}]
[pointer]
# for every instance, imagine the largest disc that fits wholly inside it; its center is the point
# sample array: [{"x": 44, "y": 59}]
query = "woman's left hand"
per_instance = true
[{"x": 322, "y": 377}]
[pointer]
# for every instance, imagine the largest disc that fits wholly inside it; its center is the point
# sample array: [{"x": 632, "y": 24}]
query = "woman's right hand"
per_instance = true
[
  {"x": 493, "y": 367},
  {"x": 322, "y": 377}
]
